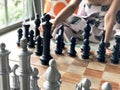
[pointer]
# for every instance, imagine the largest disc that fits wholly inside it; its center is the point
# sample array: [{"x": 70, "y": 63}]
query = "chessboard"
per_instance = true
[{"x": 72, "y": 69}]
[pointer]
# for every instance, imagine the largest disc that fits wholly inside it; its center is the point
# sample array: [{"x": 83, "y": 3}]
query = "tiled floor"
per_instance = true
[{"x": 72, "y": 69}]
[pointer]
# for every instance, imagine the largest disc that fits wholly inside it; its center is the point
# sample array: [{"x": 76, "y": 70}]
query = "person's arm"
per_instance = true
[
  {"x": 66, "y": 12},
  {"x": 109, "y": 20}
]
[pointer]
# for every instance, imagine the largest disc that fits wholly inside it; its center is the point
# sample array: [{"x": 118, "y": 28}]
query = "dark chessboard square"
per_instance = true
[
  {"x": 112, "y": 69},
  {"x": 93, "y": 73},
  {"x": 71, "y": 77}
]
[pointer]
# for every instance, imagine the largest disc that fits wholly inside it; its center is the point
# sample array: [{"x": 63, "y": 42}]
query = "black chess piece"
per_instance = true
[
  {"x": 37, "y": 24},
  {"x": 101, "y": 49},
  {"x": 86, "y": 33},
  {"x": 31, "y": 43},
  {"x": 20, "y": 31},
  {"x": 72, "y": 51},
  {"x": 43, "y": 17},
  {"x": 39, "y": 46},
  {"x": 85, "y": 49},
  {"x": 45, "y": 58},
  {"x": 115, "y": 55},
  {"x": 58, "y": 45},
  {"x": 117, "y": 39},
  {"x": 61, "y": 31},
  {"x": 26, "y": 28}
]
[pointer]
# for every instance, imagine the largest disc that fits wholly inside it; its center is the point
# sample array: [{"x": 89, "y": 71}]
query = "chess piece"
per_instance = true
[
  {"x": 52, "y": 77},
  {"x": 31, "y": 43},
  {"x": 19, "y": 36},
  {"x": 106, "y": 86},
  {"x": 45, "y": 58},
  {"x": 58, "y": 45},
  {"x": 115, "y": 54},
  {"x": 26, "y": 32},
  {"x": 43, "y": 17},
  {"x": 86, "y": 48},
  {"x": 78, "y": 86},
  {"x": 61, "y": 31},
  {"x": 14, "y": 79},
  {"x": 24, "y": 70},
  {"x": 33, "y": 80},
  {"x": 72, "y": 51},
  {"x": 39, "y": 46},
  {"x": 117, "y": 40},
  {"x": 37, "y": 24},
  {"x": 101, "y": 49},
  {"x": 4, "y": 68},
  {"x": 86, "y": 84}
]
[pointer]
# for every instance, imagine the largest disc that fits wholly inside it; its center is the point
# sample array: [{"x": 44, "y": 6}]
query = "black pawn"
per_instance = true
[
  {"x": 72, "y": 51},
  {"x": 58, "y": 45},
  {"x": 37, "y": 24},
  {"x": 20, "y": 31},
  {"x": 101, "y": 49},
  {"x": 31, "y": 43},
  {"x": 26, "y": 34},
  {"x": 115, "y": 55},
  {"x": 45, "y": 58},
  {"x": 39, "y": 46}
]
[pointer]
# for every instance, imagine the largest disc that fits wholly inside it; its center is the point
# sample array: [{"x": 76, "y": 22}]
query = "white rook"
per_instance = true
[
  {"x": 24, "y": 71},
  {"x": 4, "y": 68}
]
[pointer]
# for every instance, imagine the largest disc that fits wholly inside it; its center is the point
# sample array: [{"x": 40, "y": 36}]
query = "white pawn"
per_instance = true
[
  {"x": 52, "y": 76},
  {"x": 106, "y": 86},
  {"x": 78, "y": 86},
  {"x": 33, "y": 80},
  {"x": 86, "y": 83},
  {"x": 14, "y": 79}
]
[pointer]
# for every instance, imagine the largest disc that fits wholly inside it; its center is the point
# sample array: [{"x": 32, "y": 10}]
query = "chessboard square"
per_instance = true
[
  {"x": 71, "y": 77},
  {"x": 64, "y": 59},
  {"x": 81, "y": 63},
  {"x": 113, "y": 77},
  {"x": 94, "y": 82},
  {"x": 41, "y": 69},
  {"x": 76, "y": 69},
  {"x": 93, "y": 73},
  {"x": 62, "y": 66},
  {"x": 115, "y": 86},
  {"x": 34, "y": 59},
  {"x": 96, "y": 66},
  {"x": 112, "y": 69},
  {"x": 67, "y": 86}
]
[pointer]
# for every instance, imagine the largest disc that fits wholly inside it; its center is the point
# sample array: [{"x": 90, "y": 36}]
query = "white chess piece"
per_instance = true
[
  {"x": 33, "y": 80},
  {"x": 86, "y": 84},
  {"x": 24, "y": 70},
  {"x": 78, "y": 86},
  {"x": 14, "y": 79},
  {"x": 52, "y": 76},
  {"x": 106, "y": 86}
]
